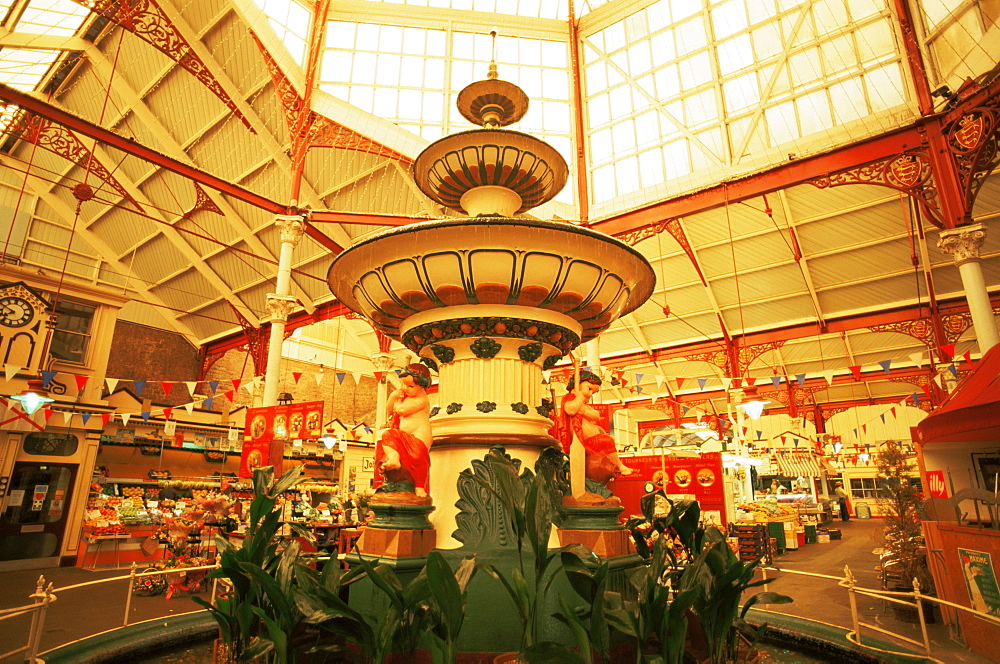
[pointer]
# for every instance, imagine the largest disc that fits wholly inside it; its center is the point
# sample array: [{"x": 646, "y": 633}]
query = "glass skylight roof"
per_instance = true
[{"x": 24, "y": 68}]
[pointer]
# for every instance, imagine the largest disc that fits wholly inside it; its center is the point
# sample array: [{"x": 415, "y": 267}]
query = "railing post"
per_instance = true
[
  {"x": 920, "y": 613},
  {"x": 128, "y": 594},
  {"x": 851, "y": 595},
  {"x": 42, "y": 596}
]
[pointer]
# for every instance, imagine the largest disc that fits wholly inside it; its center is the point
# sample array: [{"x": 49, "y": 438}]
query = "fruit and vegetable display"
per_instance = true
[{"x": 767, "y": 510}]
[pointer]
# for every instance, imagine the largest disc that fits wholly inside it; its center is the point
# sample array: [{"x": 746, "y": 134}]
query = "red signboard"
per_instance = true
[
  {"x": 935, "y": 484},
  {"x": 267, "y": 428},
  {"x": 701, "y": 477}
]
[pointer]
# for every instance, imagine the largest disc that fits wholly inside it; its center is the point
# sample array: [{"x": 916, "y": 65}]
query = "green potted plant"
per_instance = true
[
  {"x": 257, "y": 616},
  {"x": 905, "y": 556}
]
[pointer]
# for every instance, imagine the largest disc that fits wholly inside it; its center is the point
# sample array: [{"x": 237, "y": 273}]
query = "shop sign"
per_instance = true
[
  {"x": 936, "y": 485},
  {"x": 981, "y": 580}
]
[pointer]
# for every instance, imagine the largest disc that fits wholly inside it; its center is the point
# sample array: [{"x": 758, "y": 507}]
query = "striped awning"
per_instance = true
[{"x": 799, "y": 465}]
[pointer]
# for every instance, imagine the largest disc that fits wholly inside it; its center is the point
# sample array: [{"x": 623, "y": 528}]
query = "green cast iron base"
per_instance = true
[
  {"x": 591, "y": 517},
  {"x": 400, "y": 516}
]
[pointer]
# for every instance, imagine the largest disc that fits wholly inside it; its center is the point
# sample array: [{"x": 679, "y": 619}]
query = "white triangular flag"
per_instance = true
[
  {"x": 125, "y": 417},
  {"x": 319, "y": 375},
  {"x": 356, "y": 375},
  {"x": 547, "y": 374},
  {"x": 727, "y": 383},
  {"x": 828, "y": 376},
  {"x": 937, "y": 379},
  {"x": 10, "y": 370},
  {"x": 652, "y": 401},
  {"x": 192, "y": 386},
  {"x": 917, "y": 359},
  {"x": 189, "y": 407},
  {"x": 112, "y": 383},
  {"x": 67, "y": 416},
  {"x": 659, "y": 380}
]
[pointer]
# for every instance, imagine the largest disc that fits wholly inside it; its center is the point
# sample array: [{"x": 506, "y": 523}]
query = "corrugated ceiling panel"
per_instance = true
[
  {"x": 214, "y": 319},
  {"x": 731, "y": 221},
  {"x": 885, "y": 292},
  {"x": 761, "y": 285},
  {"x": 237, "y": 268},
  {"x": 797, "y": 309},
  {"x": 187, "y": 291},
  {"x": 862, "y": 263},
  {"x": 268, "y": 181},
  {"x": 243, "y": 61},
  {"x": 156, "y": 260},
  {"x": 806, "y": 201},
  {"x": 674, "y": 271},
  {"x": 749, "y": 253},
  {"x": 674, "y": 330},
  {"x": 121, "y": 230}
]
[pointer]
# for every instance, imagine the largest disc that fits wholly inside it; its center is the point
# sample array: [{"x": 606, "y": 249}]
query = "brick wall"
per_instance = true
[{"x": 146, "y": 353}]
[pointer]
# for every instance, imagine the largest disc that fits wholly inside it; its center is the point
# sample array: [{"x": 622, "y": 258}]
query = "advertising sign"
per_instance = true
[
  {"x": 700, "y": 478},
  {"x": 981, "y": 580}
]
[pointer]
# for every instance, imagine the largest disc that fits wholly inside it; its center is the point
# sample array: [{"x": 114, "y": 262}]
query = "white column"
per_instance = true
[
  {"x": 280, "y": 302},
  {"x": 383, "y": 362},
  {"x": 963, "y": 244}
]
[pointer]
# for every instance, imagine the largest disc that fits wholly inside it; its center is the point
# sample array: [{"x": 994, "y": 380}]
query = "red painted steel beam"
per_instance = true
[
  {"x": 782, "y": 177},
  {"x": 845, "y": 324},
  {"x": 325, "y": 311},
  {"x": 129, "y": 146}
]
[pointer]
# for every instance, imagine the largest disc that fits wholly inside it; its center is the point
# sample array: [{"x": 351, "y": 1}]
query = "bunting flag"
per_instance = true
[
  {"x": 828, "y": 376},
  {"x": 885, "y": 365},
  {"x": 140, "y": 385},
  {"x": 207, "y": 403},
  {"x": 726, "y": 383},
  {"x": 653, "y": 399},
  {"x": 47, "y": 377},
  {"x": 85, "y": 417},
  {"x": 685, "y": 408},
  {"x": 638, "y": 389},
  {"x": 760, "y": 434},
  {"x": 947, "y": 351},
  {"x": 167, "y": 385},
  {"x": 938, "y": 381},
  {"x": 638, "y": 378},
  {"x": 320, "y": 375},
  {"x": 953, "y": 369},
  {"x": 927, "y": 390},
  {"x": 189, "y": 407},
  {"x": 105, "y": 418},
  {"x": 48, "y": 413},
  {"x": 229, "y": 395},
  {"x": 214, "y": 385},
  {"x": 882, "y": 417},
  {"x": 145, "y": 416},
  {"x": 297, "y": 375},
  {"x": 856, "y": 371},
  {"x": 855, "y": 433},
  {"x": 167, "y": 412},
  {"x": 340, "y": 377},
  {"x": 10, "y": 370},
  {"x": 916, "y": 398},
  {"x": 356, "y": 375},
  {"x": 81, "y": 382},
  {"x": 192, "y": 386},
  {"x": 967, "y": 355},
  {"x": 917, "y": 359},
  {"x": 801, "y": 378},
  {"x": 751, "y": 381},
  {"x": 67, "y": 416},
  {"x": 125, "y": 417},
  {"x": 236, "y": 383},
  {"x": 701, "y": 383},
  {"x": 864, "y": 427},
  {"x": 893, "y": 411},
  {"x": 776, "y": 381},
  {"x": 659, "y": 380}
]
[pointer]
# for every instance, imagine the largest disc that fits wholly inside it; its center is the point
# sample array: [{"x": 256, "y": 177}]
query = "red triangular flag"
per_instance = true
[
  {"x": 737, "y": 382},
  {"x": 968, "y": 356},
  {"x": 378, "y": 376},
  {"x": 229, "y": 394},
  {"x": 947, "y": 351},
  {"x": 680, "y": 382},
  {"x": 48, "y": 413},
  {"x": 750, "y": 381},
  {"x": 81, "y": 382},
  {"x": 927, "y": 389},
  {"x": 296, "y": 375},
  {"x": 167, "y": 386},
  {"x": 236, "y": 384},
  {"x": 856, "y": 371},
  {"x": 167, "y": 412},
  {"x": 105, "y": 417},
  {"x": 744, "y": 432},
  {"x": 893, "y": 411},
  {"x": 864, "y": 427}
]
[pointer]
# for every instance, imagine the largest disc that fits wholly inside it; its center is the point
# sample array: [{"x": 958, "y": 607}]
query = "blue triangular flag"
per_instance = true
[
  {"x": 775, "y": 380},
  {"x": 638, "y": 389},
  {"x": 398, "y": 371},
  {"x": 759, "y": 434},
  {"x": 855, "y": 433},
  {"x": 214, "y": 384},
  {"x": 685, "y": 409},
  {"x": 883, "y": 418},
  {"x": 953, "y": 369},
  {"x": 368, "y": 429},
  {"x": 140, "y": 385},
  {"x": 638, "y": 378},
  {"x": 47, "y": 377},
  {"x": 801, "y": 378},
  {"x": 85, "y": 417},
  {"x": 340, "y": 377},
  {"x": 207, "y": 403},
  {"x": 701, "y": 383},
  {"x": 145, "y": 417},
  {"x": 916, "y": 398},
  {"x": 885, "y": 365}
]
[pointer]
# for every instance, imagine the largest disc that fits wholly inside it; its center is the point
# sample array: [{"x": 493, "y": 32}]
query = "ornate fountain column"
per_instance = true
[{"x": 964, "y": 243}]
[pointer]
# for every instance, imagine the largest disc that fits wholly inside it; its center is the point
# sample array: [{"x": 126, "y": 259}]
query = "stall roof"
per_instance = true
[{"x": 972, "y": 412}]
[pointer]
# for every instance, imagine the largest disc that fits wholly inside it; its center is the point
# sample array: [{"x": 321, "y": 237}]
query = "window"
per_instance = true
[
  {"x": 72, "y": 334},
  {"x": 50, "y": 444},
  {"x": 865, "y": 487}
]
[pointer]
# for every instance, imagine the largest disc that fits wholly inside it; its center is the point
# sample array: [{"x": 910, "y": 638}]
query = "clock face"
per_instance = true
[{"x": 15, "y": 312}]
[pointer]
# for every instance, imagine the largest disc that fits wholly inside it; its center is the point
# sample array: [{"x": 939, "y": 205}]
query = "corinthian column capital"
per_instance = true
[
  {"x": 290, "y": 228},
  {"x": 280, "y": 306},
  {"x": 963, "y": 243}
]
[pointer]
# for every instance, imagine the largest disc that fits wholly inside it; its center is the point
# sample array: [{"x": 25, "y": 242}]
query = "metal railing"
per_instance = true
[
  {"x": 45, "y": 595},
  {"x": 914, "y": 599}
]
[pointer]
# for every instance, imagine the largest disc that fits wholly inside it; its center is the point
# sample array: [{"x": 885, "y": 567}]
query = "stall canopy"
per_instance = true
[
  {"x": 972, "y": 413},
  {"x": 799, "y": 465}
]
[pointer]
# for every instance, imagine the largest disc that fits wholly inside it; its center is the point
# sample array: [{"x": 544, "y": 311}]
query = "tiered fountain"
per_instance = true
[{"x": 490, "y": 299}]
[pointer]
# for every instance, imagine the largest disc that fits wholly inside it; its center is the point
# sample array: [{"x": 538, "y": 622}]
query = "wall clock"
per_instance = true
[{"x": 15, "y": 311}]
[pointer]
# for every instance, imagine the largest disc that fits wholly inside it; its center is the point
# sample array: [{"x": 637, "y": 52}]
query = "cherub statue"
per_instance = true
[
  {"x": 403, "y": 451},
  {"x": 582, "y": 422}
]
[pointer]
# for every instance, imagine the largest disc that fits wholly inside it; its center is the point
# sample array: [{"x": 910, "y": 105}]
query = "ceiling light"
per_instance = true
[
  {"x": 753, "y": 408},
  {"x": 33, "y": 397}
]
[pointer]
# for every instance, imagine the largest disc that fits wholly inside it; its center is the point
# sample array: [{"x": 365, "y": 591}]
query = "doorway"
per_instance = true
[{"x": 34, "y": 517}]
